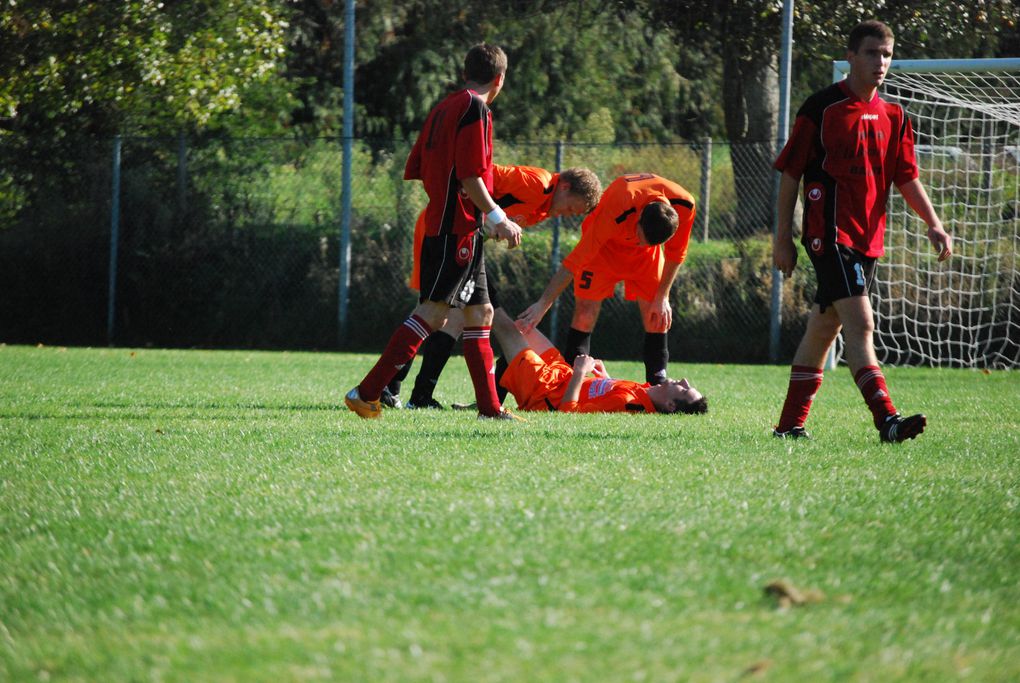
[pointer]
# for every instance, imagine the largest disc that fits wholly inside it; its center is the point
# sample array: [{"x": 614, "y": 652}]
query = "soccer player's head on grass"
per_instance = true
[
  {"x": 658, "y": 222},
  {"x": 485, "y": 69},
  {"x": 677, "y": 396},
  {"x": 577, "y": 192}
]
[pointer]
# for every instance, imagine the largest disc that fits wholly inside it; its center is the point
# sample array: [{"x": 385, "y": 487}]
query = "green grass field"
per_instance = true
[{"x": 193, "y": 516}]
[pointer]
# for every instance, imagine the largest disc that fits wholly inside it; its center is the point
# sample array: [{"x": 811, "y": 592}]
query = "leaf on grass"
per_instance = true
[
  {"x": 757, "y": 669},
  {"x": 787, "y": 595}
]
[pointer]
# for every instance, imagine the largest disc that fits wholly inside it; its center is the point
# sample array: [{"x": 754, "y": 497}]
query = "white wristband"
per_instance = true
[{"x": 496, "y": 216}]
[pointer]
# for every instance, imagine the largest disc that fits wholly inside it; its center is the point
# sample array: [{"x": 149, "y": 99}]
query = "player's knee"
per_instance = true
[
  {"x": 478, "y": 316},
  {"x": 585, "y": 315}
]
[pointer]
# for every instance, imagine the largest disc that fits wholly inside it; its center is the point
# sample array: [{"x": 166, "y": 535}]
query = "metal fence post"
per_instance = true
[
  {"x": 344, "y": 284},
  {"x": 705, "y": 200},
  {"x": 554, "y": 257},
  {"x": 111, "y": 301},
  {"x": 776, "y": 317}
]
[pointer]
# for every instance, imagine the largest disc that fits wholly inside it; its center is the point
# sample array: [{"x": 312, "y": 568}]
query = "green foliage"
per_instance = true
[
  {"x": 106, "y": 67},
  {"x": 210, "y": 516}
]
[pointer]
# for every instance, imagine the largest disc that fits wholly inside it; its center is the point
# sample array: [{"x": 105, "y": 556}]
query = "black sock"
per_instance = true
[
  {"x": 656, "y": 357},
  {"x": 500, "y": 368},
  {"x": 578, "y": 342},
  {"x": 434, "y": 353}
]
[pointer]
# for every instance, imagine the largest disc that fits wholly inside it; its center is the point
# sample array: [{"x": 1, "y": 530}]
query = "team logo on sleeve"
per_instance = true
[
  {"x": 816, "y": 245},
  {"x": 815, "y": 192}
]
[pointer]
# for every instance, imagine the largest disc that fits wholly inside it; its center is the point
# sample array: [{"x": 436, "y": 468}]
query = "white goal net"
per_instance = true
[{"x": 964, "y": 312}]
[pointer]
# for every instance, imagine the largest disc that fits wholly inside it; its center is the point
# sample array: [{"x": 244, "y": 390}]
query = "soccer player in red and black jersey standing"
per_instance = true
[
  {"x": 453, "y": 158},
  {"x": 849, "y": 146}
]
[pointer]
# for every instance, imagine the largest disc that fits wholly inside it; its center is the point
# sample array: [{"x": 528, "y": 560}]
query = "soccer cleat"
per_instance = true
[
  {"x": 464, "y": 406},
  {"x": 427, "y": 404},
  {"x": 366, "y": 409},
  {"x": 503, "y": 414},
  {"x": 896, "y": 429},
  {"x": 792, "y": 433},
  {"x": 390, "y": 400}
]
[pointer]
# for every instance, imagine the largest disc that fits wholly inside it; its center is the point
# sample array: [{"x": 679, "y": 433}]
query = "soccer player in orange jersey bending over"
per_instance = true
[
  {"x": 849, "y": 147},
  {"x": 620, "y": 241},
  {"x": 541, "y": 380},
  {"x": 529, "y": 195}
]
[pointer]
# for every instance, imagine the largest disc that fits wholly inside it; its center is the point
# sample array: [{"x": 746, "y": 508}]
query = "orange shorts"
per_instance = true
[
  {"x": 596, "y": 280},
  {"x": 537, "y": 382}
]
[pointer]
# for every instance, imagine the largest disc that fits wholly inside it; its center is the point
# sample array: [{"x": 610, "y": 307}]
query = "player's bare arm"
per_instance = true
[
  {"x": 506, "y": 229},
  {"x": 784, "y": 251},
  {"x": 534, "y": 313},
  {"x": 917, "y": 199},
  {"x": 659, "y": 312},
  {"x": 582, "y": 366}
]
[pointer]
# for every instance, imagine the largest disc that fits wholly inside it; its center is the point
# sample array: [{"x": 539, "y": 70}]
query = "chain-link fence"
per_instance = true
[{"x": 235, "y": 243}]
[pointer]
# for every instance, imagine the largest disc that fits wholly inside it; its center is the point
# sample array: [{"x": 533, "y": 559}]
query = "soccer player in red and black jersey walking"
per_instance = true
[
  {"x": 849, "y": 146},
  {"x": 453, "y": 158}
]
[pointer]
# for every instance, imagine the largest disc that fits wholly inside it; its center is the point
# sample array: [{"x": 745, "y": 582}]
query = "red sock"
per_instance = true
[
  {"x": 871, "y": 382},
  {"x": 804, "y": 384},
  {"x": 478, "y": 354},
  {"x": 402, "y": 347}
]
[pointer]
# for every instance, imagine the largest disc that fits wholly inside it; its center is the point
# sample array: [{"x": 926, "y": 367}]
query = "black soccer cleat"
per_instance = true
[
  {"x": 792, "y": 433},
  {"x": 896, "y": 429},
  {"x": 427, "y": 404},
  {"x": 390, "y": 400}
]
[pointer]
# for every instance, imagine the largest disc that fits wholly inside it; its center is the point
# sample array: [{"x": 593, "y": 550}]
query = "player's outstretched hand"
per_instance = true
[
  {"x": 941, "y": 240},
  {"x": 784, "y": 256},
  {"x": 531, "y": 317},
  {"x": 509, "y": 231},
  {"x": 599, "y": 370}
]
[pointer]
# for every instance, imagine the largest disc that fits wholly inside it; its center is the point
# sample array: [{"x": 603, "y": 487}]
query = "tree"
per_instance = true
[
  {"x": 409, "y": 53},
  {"x": 105, "y": 67}
]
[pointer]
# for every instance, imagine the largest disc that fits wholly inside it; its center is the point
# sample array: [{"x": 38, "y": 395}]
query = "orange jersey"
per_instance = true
[
  {"x": 524, "y": 192},
  {"x": 539, "y": 383},
  {"x": 609, "y": 233}
]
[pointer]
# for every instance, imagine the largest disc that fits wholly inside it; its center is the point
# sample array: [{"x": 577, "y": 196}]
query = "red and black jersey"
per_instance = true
[
  {"x": 455, "y": 143},
  {"x": 849, "y": 152}
]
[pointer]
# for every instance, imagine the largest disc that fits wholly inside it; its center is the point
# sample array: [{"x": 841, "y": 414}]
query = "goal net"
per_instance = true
[{"x": 964, "y": 312}]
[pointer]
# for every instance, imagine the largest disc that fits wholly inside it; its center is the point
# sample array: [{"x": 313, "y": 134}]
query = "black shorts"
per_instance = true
[
  {"x": 842, "y": 273},
  {"x": 453, "y": 270}
]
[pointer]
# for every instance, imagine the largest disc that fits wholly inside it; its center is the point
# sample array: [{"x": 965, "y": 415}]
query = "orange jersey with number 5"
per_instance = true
[{"x": 609, "y": 233}]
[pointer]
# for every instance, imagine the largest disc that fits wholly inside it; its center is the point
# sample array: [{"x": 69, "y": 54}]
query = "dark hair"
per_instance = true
[
  {"x": 584, "y": 184},
  {"x": 699, "y": 407},
  {"x": 483, "y": 63},
  {"x": 867, "y": 29},
  {"x": 658, "y": 222}
]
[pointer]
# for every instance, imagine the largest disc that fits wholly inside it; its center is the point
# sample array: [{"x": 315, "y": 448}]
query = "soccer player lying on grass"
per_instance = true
[{"x": 540, "y": 380}]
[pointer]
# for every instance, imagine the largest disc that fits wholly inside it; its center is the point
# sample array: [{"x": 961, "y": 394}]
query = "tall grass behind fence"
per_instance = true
[{"x": 234, "y": 243}]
